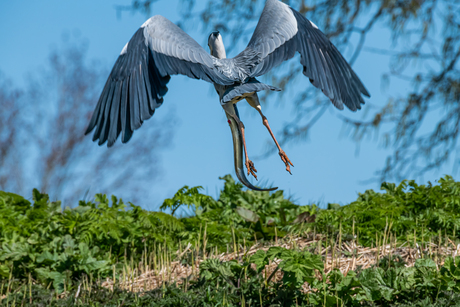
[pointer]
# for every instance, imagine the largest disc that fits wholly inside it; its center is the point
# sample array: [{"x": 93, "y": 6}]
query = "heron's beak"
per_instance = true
[{"x": 238, "y": 153}]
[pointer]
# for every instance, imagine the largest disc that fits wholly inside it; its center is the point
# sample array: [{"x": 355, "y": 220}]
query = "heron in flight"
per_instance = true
[{"x": 159, "y": 49}]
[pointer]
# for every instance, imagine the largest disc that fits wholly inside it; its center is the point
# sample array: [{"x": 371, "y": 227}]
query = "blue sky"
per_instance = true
[{"x": 328, "y": 167}]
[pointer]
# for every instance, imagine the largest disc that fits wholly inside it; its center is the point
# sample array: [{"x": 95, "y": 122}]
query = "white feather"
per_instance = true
[{"x": 125, "y": 49}]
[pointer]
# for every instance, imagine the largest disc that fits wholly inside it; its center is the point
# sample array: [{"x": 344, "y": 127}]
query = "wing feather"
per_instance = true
[
  {"x": 141, "y": 100},
  {"x": 115, "y": 122},
  {"x": 124, "y": 121},
  {"x": 145, "y": 107},
  {"x": 281, "y": 31},
  {"x": 108, "y": 107},
  {"x": 135, "y": 103},
  {"x": 100, "y": 104},
  {"x": 102, "y": 114}
]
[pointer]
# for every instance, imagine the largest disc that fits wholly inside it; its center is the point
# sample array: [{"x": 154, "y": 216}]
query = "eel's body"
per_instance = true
[{"x": 238, "y": 153}]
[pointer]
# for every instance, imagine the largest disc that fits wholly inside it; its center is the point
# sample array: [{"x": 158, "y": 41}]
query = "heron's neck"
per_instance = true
[{"x": 219, "y": 50}]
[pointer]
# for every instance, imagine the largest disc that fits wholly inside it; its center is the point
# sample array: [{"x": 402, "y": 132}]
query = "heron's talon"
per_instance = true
[
  {"x": 286, "y": 161},
  {"x": 251, "y": 169}
]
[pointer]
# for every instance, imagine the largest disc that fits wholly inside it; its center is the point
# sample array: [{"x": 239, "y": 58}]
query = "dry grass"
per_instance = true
[{"x": 346, "y": 256}]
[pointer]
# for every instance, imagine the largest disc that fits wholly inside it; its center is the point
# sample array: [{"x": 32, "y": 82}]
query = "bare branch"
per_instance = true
[{"x": 42, "y": 142}]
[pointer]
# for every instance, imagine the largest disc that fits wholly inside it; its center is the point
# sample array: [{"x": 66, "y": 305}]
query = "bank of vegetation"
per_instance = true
[{"x": 395, "y": 247}]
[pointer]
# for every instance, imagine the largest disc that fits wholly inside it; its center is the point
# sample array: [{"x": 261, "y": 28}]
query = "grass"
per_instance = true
[{"x": 180, "y": 269}]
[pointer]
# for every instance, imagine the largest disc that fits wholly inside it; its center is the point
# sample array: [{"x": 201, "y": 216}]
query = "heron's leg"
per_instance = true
[
  {"x": 249, "y": 164},
  {"x": 254, "y": 102},
  {"x": 281, "y": 152}
]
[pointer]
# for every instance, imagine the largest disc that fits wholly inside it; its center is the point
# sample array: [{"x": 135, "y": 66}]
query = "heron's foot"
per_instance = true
[
  {"x": 251, "y": 169},
  {"x": 286, "y": 161}
]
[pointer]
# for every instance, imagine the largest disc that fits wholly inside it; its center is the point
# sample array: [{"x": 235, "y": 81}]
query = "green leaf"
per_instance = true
[
  {"x": 58, "y": 281},
  {"x": 84, "y": 249},
  {"x": 276, "y": 252},
  {"x": 248, "y": 215},
  {"x": 260, "y": 259},
  {"x": 14, "y": 251},
  {"x": 14, "y": 198},
  {"x": 425, "y": 263},
  {"x": 90, "y": 265},
  {"x": 33, "y": 239},
  {"x": 47, "y": 256},
  {"x": 304, "y": 217},
  {"x": 332, "y": 206},
  {"x": 407, "y": 279},
  {"x": 294, "y": 271},
  {"x": 313, "y": 261},
  {"x": 374, "y": 285},
  {"x": 4, "y": 270},
  {"x": 43, "y": 273}
]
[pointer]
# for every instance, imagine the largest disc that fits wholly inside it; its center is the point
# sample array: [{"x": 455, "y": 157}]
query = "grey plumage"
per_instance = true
[
  {"x": 175, "y": 52},
  {"x": 281, "y": 31},
  {"x": 241, "y": 91},
  {"x": 138, "y": 81}
]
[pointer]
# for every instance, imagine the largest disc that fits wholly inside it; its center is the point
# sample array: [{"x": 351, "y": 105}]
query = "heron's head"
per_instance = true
[{"x": 216, "y": 45}]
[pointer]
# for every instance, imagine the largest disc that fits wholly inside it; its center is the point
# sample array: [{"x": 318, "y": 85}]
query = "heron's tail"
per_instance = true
[{"x": 242, "y": 90}]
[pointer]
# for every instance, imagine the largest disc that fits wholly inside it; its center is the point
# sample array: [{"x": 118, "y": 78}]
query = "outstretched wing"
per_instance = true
[
  {"x": 137, "y": 83},
  {"x": 281, "y": 31}
]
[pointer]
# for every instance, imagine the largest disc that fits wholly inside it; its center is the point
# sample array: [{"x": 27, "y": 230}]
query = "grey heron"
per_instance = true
[{"x": 137, "y": 83}]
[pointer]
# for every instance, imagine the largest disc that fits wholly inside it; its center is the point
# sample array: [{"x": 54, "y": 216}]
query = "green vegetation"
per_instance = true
[
  {"x": 51, "y": 256},
  {"x": 237, "y": 284}
]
